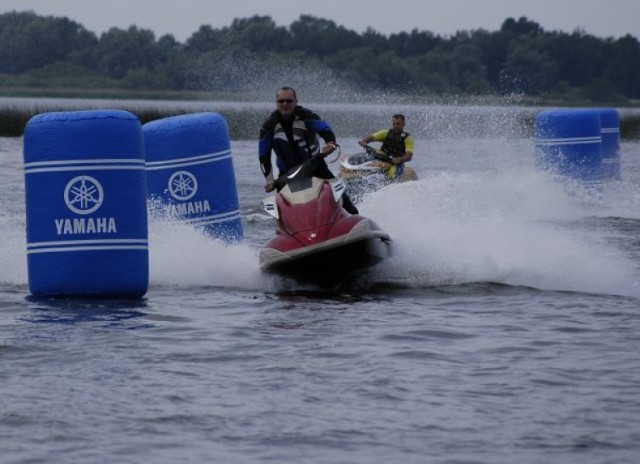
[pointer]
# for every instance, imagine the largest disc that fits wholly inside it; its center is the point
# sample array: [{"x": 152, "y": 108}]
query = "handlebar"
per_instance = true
[
  {"x": 377, "y": 155},
  {"x": 305, "y": 169}
]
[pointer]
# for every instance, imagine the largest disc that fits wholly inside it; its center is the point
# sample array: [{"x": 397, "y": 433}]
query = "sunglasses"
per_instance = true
[{"x": 285, "y": 100}]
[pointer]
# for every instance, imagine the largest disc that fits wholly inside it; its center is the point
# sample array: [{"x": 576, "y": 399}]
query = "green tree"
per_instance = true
[
  {"x": 578, "y": 57},
  {"x": 431, "y": 72},
  {"x": 623, "y": 66},
  {"x": 529, "y": 68},
  {"x": 260, "y": 34},
  {"x": 522, "y": 26},
  {"x": 321, "y": 37},
  {"x": 467, "y": 71},
  {"x": 119, "y": 51},
  {"x": 205, "y": 39},
  {"x": 492, "y": 48},
  {"x": 317, "y": 54},
  {"x": 30, "y": 41},
  {"x": 414, "y": 43}
]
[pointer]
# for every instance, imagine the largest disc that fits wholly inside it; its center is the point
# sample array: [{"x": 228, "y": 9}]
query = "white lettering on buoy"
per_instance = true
[
  {"x": 191, "y": 207},
  {"x": 100, "y": 225}
]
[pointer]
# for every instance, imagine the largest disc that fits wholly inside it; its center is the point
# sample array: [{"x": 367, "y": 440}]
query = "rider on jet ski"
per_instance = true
[
  {"x": 291, "y": 131},
  {"x": 396, "y": 144}
]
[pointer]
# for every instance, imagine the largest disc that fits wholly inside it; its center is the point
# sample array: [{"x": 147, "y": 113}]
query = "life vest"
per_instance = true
[
  {"x": 302, "y": 142},
  {"x": 293, "y": 141},
  {"x": 393, "y": 143}
]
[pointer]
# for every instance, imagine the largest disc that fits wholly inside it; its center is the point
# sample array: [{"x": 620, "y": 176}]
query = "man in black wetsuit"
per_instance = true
[{"x": 291, "y": 131}]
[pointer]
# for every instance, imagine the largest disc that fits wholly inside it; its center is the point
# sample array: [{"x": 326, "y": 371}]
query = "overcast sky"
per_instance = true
[{"x": 602, "y": 18}]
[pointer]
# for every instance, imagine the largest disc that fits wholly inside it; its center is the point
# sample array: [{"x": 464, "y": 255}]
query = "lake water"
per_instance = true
[{"x": 504, "y": 329}]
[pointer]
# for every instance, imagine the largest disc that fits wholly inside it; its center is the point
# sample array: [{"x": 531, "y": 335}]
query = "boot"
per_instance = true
[{"x": 348, "y": 205}]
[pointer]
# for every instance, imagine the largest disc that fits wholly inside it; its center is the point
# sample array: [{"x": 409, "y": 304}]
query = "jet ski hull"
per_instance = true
[
  {"x": 316, "y": 240},
  {"x": 364, "y": 165},
  {"x": 330, "y": 262}
]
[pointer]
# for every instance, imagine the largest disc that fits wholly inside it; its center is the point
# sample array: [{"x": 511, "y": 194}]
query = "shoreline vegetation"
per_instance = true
[
  {"x": 455, "y": 116},
  {"x": 520, "y": 63},
  {"x": 475, "y": 83}
]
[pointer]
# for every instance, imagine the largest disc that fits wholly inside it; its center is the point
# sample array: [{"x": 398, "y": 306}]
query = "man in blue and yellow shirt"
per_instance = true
[{"x": 396, "y": 144}]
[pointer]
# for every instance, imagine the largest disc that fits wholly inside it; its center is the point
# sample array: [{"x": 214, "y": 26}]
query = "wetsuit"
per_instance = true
[{"x": 294, "y": 141}]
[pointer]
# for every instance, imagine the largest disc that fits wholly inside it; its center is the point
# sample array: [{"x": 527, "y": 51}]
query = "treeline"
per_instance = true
[{"x": 254, "y": 55}]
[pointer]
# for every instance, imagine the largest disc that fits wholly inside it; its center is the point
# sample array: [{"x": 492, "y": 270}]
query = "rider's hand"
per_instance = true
[
  {"x": 328, "y": 149},
  {"x": 269, "y": 186}
]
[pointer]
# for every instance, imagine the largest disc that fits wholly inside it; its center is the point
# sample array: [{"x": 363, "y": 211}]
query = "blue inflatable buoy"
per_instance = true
[
  {"x": 569, "y": 143},
  {"x": 86, "y": 214},
  {"x": 190, "y": 169},
  {"x": 610, "y": 130}
]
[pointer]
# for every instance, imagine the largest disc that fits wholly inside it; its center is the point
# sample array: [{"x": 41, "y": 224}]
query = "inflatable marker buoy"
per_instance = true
[
  {"x": 569, "y": 143},
  {"x": 85, "y": 189},
  {"x": 610, "y": 130},
  {"x": 190, "y": 169}
]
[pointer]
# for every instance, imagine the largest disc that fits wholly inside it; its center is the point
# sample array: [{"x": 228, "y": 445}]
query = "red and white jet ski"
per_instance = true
[{"x": 316, "y": 240}]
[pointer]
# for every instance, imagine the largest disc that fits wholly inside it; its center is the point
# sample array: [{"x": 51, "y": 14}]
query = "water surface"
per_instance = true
[{"x": 504, "y": 329}]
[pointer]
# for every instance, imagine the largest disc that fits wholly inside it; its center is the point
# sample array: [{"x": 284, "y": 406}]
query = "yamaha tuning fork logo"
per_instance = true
[
  {"x": 183, "y": 185},
  {"x": 83, "y": 195}
]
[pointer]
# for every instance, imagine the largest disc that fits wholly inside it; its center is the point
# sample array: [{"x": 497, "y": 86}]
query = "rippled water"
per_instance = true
[{"x": 504, "y": 329}]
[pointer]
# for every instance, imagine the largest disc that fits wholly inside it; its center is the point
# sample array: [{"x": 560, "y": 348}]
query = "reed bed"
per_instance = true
[{"x": 244, "y": 119}]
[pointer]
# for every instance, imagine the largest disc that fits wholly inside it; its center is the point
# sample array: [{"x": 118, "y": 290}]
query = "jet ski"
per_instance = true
[
  {"x": 316, "y": 240},
  {"x": 373, "y": 162},
  {"x": 370, "y": 171}
]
